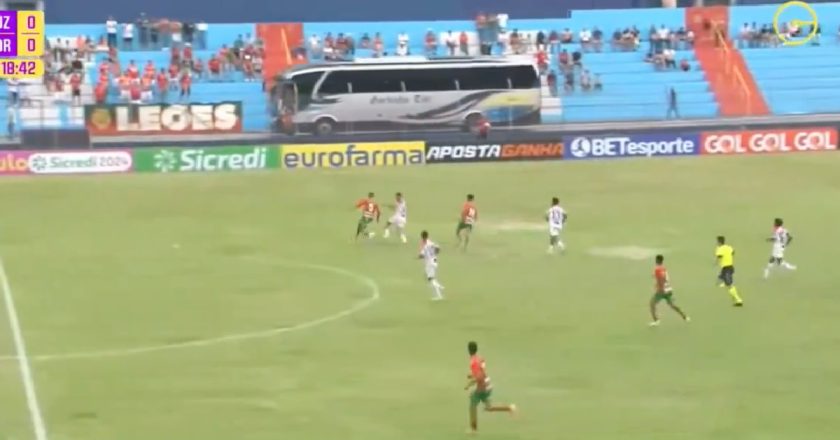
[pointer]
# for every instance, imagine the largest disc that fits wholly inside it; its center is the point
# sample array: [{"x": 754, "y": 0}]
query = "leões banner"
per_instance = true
[
  {"x": 642, "y": 145},
  {"x": 454, "y": 153},
  {"x": 133, "y": 119},
  {"x": 770, "y": 141},
  {"x": 363, "y": 154}
]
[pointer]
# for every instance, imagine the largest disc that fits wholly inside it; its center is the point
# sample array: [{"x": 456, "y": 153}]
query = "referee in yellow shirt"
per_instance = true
[{"x": 726, "y": 259}]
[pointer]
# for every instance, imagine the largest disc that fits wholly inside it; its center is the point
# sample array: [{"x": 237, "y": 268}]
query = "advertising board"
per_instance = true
[
  {"x": 65, "y": 162},
  {"x": 14, "y": 162},
  {"x": 493, "y": 152},
  {"x": 185, "y": 159},
  {"x": 642, "y": 145},
  {"x": 134, "y": 119},
  {"x": 794, "y": 140},
  {"x": 363, "y": 154}
]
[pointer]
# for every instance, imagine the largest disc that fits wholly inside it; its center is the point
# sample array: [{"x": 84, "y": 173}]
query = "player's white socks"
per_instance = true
[
  {"x": 403, "y": 237},
  {"x": 788, "y": 266},
  {"x": 438, "y": 289},
  {"x": 387, "y": 233}
]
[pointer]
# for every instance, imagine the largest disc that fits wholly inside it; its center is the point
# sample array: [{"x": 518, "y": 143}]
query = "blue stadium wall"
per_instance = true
[{"x": 95, "y": 11}]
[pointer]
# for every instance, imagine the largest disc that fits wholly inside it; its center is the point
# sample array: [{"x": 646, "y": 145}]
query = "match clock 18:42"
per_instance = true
[{"x": 21, "y": 68}]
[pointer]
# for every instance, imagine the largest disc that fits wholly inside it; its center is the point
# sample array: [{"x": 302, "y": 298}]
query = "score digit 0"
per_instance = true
[{"x": 30, "y": 33}]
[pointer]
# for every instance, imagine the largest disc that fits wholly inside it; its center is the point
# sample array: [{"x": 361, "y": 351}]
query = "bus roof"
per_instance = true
[{"x": 407, "y": 62}]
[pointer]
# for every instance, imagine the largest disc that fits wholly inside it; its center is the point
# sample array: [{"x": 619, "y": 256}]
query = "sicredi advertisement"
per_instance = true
[{"x": 65, "y": 162}]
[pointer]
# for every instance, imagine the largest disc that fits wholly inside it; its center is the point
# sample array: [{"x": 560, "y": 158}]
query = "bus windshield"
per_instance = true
[{"x": 296, "y": 93}]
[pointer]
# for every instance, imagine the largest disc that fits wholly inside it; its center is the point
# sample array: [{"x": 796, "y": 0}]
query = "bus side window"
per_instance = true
[
  {"x": 429, "y": 80},
  {"x": 336, "y": 83},
  {"x": 376, "y": 81},
  {"x": 524, "y": 77},
  {"x": 483, "y": 78}
]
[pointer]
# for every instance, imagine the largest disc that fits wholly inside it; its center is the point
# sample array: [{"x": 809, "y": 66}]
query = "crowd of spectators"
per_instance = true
[
  {"x": 753, "y": 35},
  {"x": 65, "y": 60},
  {"x": 147, "y": 33}
]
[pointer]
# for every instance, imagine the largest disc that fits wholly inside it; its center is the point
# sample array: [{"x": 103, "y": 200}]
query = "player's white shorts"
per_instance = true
[
  {"x": 554, "y": 230},
  {"x": 398, "y": 221},
  {"x": 778, "y": 251},
  {"x": 431, "y": 270}
]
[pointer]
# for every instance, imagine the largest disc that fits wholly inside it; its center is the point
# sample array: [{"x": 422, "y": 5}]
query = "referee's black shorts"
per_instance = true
[{"x": 727, "y": 275}]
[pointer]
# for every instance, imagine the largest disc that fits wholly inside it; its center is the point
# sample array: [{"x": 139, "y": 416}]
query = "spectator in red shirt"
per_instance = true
[
  {"x": 186, "y": 85},
  {"x": 146, "y": 84},
  {"x": 188, "y": 52},
  {"x": 163, "y": 85},
  {"x": 135, "y": 92},
  {"x": 149, "y": 69},
  {"x": 100, "y": 93},
  {"x": 378, "y": 46},
  {"x": 132, "y": 70},
  {"x": 103, "y": 68},
  {"x": 542, "y": 61},
  {"x": 215, "y": 67},
  {"x": 684, "y": 65},
  {"x": 464, "y": 42},
  {"x": 76, "y": 87},
  {"x": 175, "y": 54}
]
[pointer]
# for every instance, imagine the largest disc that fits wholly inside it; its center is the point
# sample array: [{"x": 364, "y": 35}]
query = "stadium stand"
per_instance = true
[
  {"x": 624, "y": 82},
  {"x": 793, "y": 79}
]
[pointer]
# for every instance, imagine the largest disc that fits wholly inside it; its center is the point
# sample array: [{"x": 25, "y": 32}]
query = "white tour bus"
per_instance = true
[{"x": 408, "y": 94}]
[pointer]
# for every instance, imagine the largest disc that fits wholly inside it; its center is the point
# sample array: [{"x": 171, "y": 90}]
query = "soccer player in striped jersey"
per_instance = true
[
  {"x": 483, "y": 389},
  {"x": 370, "y": 212},
  {"x": 429, "y": 251},
  {"x": 556, "y": 218},
  {"x": 663, "y": 292},
  {"x": 781, "y": 238},
  {"x": 398, "y": 220},
  {"x": 469, "y": 215}
]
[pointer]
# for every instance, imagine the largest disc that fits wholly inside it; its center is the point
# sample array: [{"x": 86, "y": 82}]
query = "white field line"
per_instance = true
[
  {"x": 234, "y": 337},
  {"x": 38, "y": 425}
]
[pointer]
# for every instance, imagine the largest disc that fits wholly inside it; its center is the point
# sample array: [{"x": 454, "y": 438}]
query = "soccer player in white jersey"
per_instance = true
[
  {"x": 398, "y": 220},
  {"x": 428, "y": 253},
  {"x": 781, "y": 238},
  {"x": 556, "y": 218}
]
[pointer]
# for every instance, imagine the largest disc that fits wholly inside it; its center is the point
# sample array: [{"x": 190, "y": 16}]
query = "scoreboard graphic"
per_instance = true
[{"x": 21, "y": 44}]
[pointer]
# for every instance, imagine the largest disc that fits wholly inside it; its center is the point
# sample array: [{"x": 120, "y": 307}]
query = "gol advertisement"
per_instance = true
[
  {"x": 363, "y": 154},
  {"x": 794, "y": 140},
  {"x": 65, "y": 162}
]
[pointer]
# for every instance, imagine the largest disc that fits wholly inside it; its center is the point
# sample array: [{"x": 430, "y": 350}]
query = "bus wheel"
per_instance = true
[
  {"x": 324, "y": 127},
  {"x": 471, "y": 122}
]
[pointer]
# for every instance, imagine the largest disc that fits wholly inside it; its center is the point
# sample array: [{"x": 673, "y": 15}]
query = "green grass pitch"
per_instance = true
[{"x": 100, "y": 266}]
